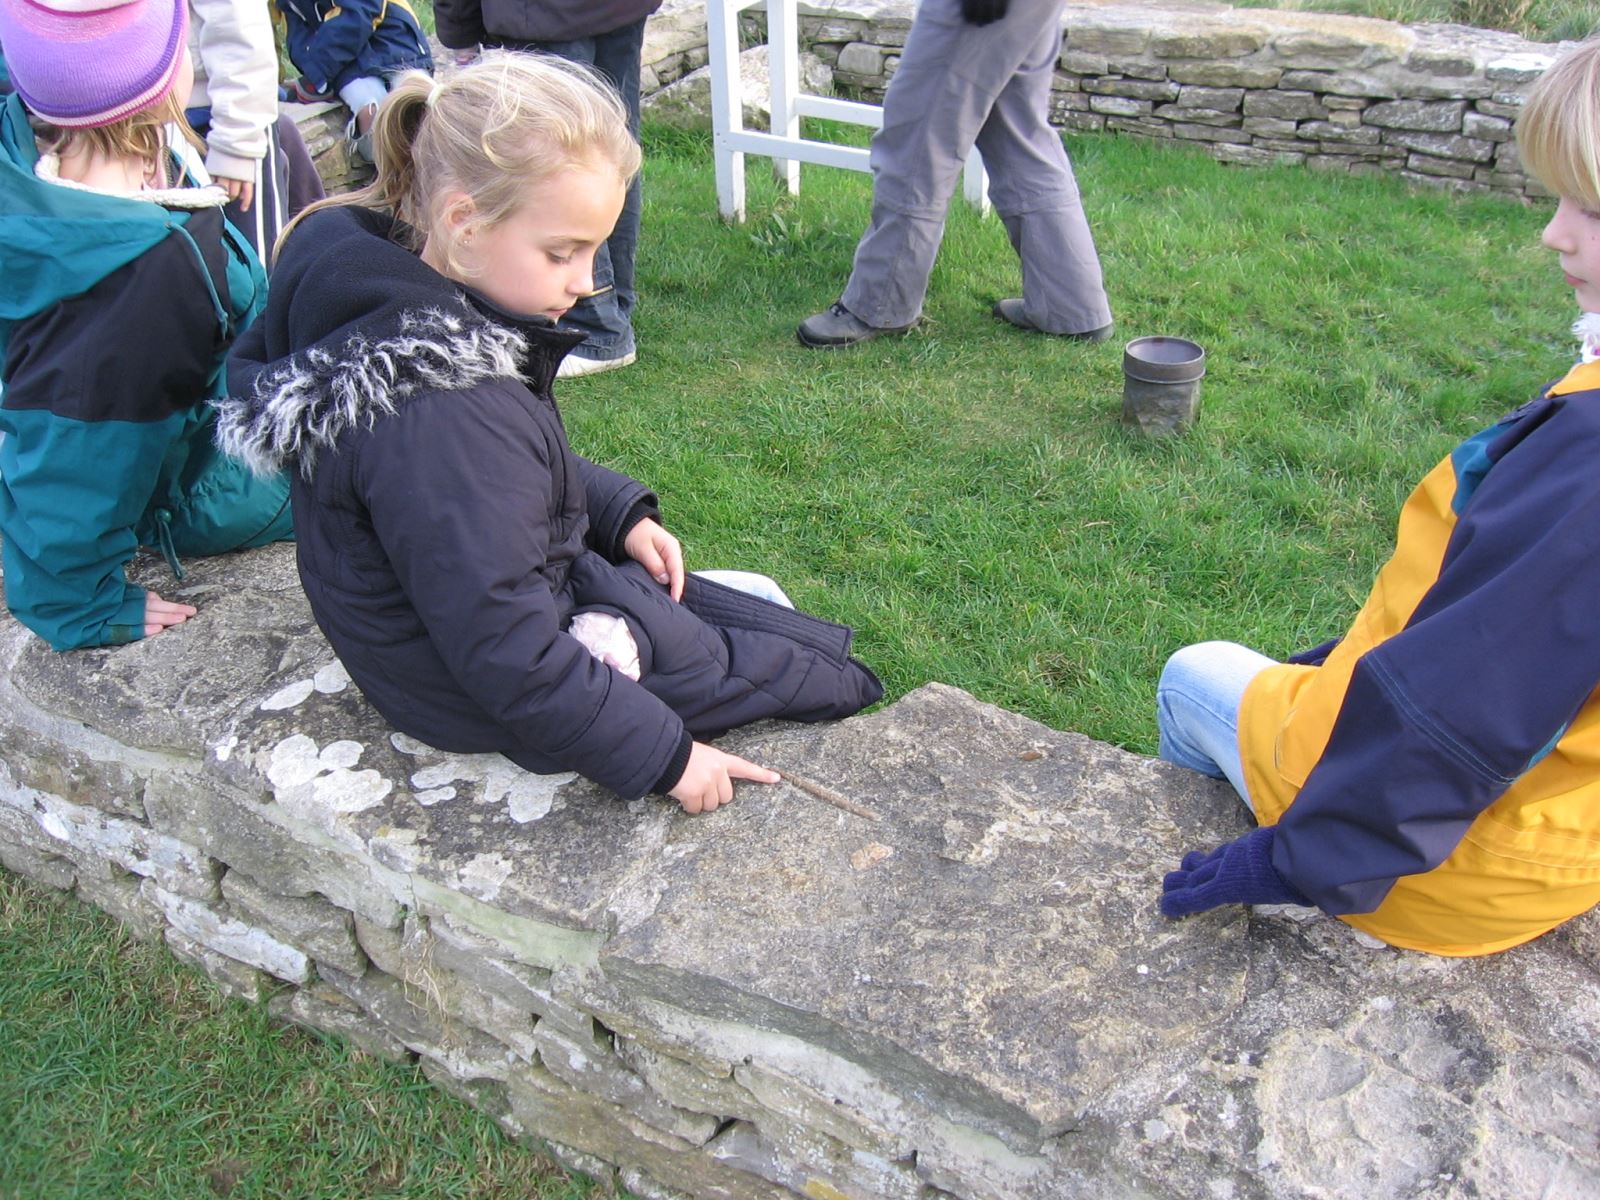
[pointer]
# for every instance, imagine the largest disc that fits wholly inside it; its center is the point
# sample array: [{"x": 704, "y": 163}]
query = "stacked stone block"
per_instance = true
[
  {"x": 674, "y": 45},
  {"x": 494, "y": 1006}
]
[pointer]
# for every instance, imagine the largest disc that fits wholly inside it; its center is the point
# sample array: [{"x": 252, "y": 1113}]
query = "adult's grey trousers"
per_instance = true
[{"x": 959, "y": 85}]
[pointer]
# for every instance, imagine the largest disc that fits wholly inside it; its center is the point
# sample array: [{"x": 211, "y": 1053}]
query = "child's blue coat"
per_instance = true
[{"x": 332, "y": 42}]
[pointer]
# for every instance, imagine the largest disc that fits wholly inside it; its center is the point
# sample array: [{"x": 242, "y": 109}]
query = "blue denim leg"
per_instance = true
[
  {"x": 1197, "y": 708},
  {"x": 607, "y": 317}
]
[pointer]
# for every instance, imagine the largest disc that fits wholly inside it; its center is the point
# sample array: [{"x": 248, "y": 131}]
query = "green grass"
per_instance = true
[
  {"x": 124, "y": 1073},
  {"x": 964, "y": 496}
]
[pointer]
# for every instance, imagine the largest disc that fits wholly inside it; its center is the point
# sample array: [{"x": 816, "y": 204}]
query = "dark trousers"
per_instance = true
[
  {"x": 286, "y": 180},
  {"x": 606, "y": 317}
]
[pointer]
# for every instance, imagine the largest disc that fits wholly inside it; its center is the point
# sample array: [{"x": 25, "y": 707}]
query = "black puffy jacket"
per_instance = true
[
  {"x": 463, "y": 23},
  {"x": 448, "y": 533}
]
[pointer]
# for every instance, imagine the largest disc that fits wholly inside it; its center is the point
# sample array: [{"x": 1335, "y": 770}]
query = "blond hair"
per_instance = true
[
  {"x": 508, "y": 121},
  {"x": 1558, "y": 132},
  {"x": 141, "y": 136}
]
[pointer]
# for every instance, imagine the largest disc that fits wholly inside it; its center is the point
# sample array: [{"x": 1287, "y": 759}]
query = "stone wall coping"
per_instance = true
[{"x": 967, "y": 993}]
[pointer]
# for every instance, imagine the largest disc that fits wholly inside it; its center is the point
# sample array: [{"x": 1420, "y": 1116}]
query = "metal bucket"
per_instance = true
[{"x": 1161, "y": 384}]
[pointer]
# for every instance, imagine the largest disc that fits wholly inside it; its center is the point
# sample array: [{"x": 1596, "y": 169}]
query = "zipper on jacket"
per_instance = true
[{"x": 205, "y": 274}]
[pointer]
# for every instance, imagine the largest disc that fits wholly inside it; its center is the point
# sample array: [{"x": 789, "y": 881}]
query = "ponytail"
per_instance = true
[
  {"x": 508, "y": 121},
  {"x": 394, "y": 134}
]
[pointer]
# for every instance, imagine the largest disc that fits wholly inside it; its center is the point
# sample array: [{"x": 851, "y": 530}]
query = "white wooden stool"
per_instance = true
[{"x": 731, "y": 141}]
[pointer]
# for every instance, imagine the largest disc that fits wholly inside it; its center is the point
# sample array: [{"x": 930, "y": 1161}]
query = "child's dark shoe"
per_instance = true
[{"x": 839, "y": 327}]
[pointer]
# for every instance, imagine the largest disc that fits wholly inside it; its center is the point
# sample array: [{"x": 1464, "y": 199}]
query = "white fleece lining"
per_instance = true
[
  {"x": 1587, "y": 330},
  {"x": 308, "y": 402}
]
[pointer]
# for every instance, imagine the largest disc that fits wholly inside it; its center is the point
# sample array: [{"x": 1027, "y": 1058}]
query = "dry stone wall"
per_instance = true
[
  {"x": 966, "y": 993},
  {"x": 1434, "y": 103}
]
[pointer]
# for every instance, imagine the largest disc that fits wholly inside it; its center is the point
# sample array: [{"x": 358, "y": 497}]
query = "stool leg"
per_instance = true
[
  {"x": 783, "y": 68},
  {"x": 727, "y": 105}
]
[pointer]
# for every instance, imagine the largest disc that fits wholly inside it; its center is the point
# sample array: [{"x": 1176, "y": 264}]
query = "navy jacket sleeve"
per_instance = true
[
  {"x": 99, "y": 388},
  {"x": 337, "y": 42},
  {"x": 616, "y": 504},
  {"x": 1498, "y": 658},
  {"x": 458, "y": 487}
]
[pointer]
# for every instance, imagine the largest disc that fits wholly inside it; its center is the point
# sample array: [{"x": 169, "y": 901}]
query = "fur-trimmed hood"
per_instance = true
[
  {"x": 356, "y": 324},
  {"x": 300, "y": 405}
]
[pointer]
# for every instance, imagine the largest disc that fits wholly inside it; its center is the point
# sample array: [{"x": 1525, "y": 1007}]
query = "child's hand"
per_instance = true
[
  {"x": 242, "y": 190},
  {"x": 159, "y": 614},
  {"x": 658, "y": 552},
  {"x": 1239, "y": 873},
  {"x": 708, "y": 779}
]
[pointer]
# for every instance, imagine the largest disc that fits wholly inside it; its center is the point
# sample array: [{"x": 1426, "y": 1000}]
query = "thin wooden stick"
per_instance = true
[{"x": 827, "y": 795}]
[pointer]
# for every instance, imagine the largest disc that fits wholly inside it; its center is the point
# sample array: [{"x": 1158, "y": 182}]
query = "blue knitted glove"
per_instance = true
[{"x": 1239, "y": 873}]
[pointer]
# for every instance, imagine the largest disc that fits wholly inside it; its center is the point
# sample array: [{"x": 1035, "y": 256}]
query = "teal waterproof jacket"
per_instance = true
[{"x": 116, "y": 314}]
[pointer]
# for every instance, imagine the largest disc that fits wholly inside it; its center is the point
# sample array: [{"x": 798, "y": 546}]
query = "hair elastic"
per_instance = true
[{"x": 433, "y": 92}]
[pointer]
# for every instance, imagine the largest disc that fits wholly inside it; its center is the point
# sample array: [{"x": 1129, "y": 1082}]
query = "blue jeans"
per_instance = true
[
  {"x": 607, "y": 316},
  {"x": 1197, "y": 708}
]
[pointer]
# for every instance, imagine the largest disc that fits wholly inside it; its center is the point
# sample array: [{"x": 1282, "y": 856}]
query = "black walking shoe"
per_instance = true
[
  {"x": 839, "y": 327},
  {"x": 1011, "y": 310}
]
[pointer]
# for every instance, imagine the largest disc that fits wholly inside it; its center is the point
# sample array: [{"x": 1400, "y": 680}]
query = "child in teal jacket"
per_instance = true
[{"x": 122, "y": 290}]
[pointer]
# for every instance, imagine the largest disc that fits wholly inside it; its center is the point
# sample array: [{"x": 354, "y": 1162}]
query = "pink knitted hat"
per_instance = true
[{"x": 82, "y": 63}]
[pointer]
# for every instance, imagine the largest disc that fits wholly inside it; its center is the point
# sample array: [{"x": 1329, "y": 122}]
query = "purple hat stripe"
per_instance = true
[{"x": 87, "y": 63}]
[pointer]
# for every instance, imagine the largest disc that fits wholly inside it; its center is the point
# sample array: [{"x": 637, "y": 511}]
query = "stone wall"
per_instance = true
[
  {"x": 1248, "y": 85},
  {"x": 1433, "y": 103},
  {"x": 959, "y": 988}
]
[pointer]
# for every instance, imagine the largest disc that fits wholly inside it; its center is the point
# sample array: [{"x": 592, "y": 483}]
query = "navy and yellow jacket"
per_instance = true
[
  {"x": 115, "y": 316},
  {"x": 332, "y": 42},
  {"x": 1434, "y": 776}
]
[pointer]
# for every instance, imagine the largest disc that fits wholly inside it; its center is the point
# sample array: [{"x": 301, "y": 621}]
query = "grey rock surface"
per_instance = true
[
  {"x": 686, "y": 103},
  {"x": 957, "y": 983}
]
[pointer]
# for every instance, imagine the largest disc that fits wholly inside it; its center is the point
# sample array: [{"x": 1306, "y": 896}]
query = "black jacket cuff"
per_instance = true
[
  {"x": 676, "y": 766},
  {"x": 643, "y": 511}
]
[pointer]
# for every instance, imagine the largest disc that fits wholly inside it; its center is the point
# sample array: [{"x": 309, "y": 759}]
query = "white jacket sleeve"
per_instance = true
[{"x": 236, "y": 73}]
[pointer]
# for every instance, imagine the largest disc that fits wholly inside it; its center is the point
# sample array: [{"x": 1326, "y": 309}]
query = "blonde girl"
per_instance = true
[{"x": 489, "y": 589}]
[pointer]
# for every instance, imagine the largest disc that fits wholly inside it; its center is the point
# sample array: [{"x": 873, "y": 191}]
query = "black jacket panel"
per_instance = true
[
  {"x": 464, "y": 23},
  {"x": 141, "y": 344}
]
